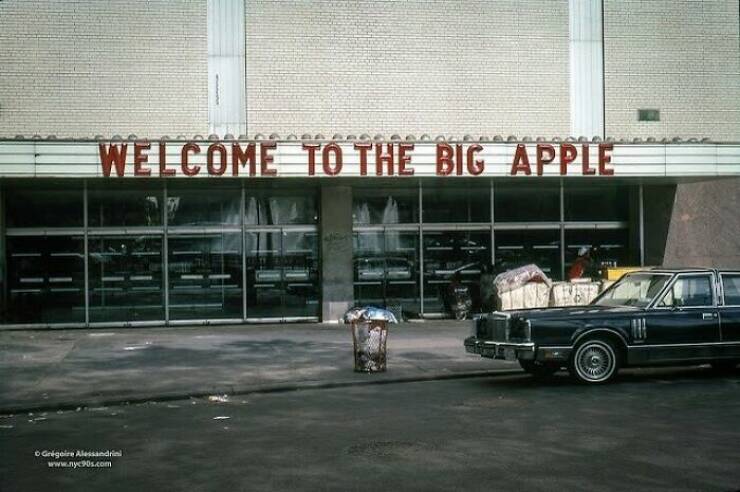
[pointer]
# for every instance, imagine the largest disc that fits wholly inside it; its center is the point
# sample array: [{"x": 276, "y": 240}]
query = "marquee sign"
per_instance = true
[
  {"x": 357, "y": 159},
  {"x": 363, "y": 159}
]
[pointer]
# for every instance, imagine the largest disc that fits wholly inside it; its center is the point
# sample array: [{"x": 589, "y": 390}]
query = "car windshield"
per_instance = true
[{"x": 634, "y": 290}]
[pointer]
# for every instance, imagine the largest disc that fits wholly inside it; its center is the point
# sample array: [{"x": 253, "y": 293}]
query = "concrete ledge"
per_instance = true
[{"x": 134, "y": 397}]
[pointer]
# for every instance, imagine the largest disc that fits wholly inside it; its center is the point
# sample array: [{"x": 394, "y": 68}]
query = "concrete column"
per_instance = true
[
  {"x": 337, "y": 289},
  {"x": 705, "y": 225},
  {"x": 3, "y": 261},
  {"x": 659, "y": 202}
]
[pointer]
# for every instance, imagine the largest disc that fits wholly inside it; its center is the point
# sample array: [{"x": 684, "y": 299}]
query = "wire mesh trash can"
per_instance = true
[{"x": 369, "y": 340}]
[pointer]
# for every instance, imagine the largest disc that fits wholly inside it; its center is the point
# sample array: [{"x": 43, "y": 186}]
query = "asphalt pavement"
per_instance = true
[
  {"x": 62, "y": 369},
  {"x": 653, "y": 430}
]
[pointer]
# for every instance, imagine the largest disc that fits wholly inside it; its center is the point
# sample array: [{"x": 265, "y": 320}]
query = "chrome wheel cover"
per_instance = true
[{"x": 595, "y": 361}]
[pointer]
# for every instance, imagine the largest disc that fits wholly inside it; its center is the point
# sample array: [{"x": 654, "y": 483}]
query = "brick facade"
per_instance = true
[
  {"x": 680, "y": 57},
  {"x": 83, "y": 67},
  {"x": 408, "y": 67},
  {"x": 77, "y": 68}
]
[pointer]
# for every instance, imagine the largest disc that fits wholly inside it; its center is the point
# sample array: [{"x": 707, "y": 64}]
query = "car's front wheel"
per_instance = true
[
  {"x": 595, "y": 361},
  {"x": 538, "y": 369}
]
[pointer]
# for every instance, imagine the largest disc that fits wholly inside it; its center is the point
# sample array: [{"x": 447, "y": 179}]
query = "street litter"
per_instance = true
[
  {"x": 221, "y": 417},
  {"x": 138, "y": 347},
  {"x": 219, "y": 398}
]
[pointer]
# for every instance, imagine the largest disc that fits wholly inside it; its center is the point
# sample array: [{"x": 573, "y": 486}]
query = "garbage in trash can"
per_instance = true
[
  {"x": 369, "y": 340},
  {"x": 369, "y": 337}
]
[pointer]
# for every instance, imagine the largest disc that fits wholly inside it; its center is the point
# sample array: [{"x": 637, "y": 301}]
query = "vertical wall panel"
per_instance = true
[
  {"x": 586, "y": 69},
  {"x": 226, "y": 68}
]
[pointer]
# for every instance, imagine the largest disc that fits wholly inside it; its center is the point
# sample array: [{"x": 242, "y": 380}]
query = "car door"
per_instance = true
[
  {"x": 683, "y": 323},
  {"x": 729, "y": 314}
]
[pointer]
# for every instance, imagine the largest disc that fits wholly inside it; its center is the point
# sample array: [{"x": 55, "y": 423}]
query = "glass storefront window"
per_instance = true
[
  {"x": 385, "y": 206},
  {"x": 45, "y": 206},
  {"x": 280, "y": 208},
  {"x": 126, "y": 279},
  {"x": 129, "y": 205},
  {"x": 386, "y": 270},
  {"x": 609, "y": 247},
  {"x": 596, "y": 203},
  {"x": 205, "y": 276},
  {"x": 526, "y": 203},
  {"x": 447, "y": 253},
  {"x": 206, "y": 205},
  {"x": 46, "y": 279},
  {"x": 522, "y": 247},
  {"x": 455, "y": 204},
  {"x": 282, "y": 274}
]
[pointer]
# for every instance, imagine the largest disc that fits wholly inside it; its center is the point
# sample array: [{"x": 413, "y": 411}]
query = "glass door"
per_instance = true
[
  {"x": 126, "y": 278},
  {"x": 205, "y": 276},
  {"x": 449, "y": 254},
  {"x": 386, "y": 269},
  {"x": 282, "y": 273}
]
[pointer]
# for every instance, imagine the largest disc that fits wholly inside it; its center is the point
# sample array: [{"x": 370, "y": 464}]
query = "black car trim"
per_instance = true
[{"x": 698, "y": 344}]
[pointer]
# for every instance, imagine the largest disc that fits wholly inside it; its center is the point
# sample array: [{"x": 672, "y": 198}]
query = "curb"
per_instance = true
[{"x": 93, "y": 401}]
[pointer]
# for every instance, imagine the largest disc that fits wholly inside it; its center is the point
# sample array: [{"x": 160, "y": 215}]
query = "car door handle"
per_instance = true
[{"x": 708, "y": 315}]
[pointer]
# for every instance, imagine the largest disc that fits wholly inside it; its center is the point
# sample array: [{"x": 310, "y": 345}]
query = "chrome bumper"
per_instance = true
[{"x": 500, "y": 350}]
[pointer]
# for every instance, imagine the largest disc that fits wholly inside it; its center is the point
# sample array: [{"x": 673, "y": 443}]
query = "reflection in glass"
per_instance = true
[
  {"x": 690, "y": 291},
  {"x": 386, "y": 270},
  {"x": 46, "y": 279},
  {"x": 45, "y": 207},
  {"x": 278, "y": 209},
  {"x": 449, "y": 204},
  {"x": 282, "y": 274},
  {"x": 447, "y": 253},
  {"x": 609, "y": 247},
  {"x": 203, "y": 207},
  {"x": 634, "y": 289},
  {"x": 522, "y": 203},
  {"x": 126, "y": 279},
  {"x": 385, "y": 206},
  {"x": 519, "y": 248},
  {"x": 205, "y": 276},
  {"x": 596, "y": 203},
  {"x": 112, "y": 206}
]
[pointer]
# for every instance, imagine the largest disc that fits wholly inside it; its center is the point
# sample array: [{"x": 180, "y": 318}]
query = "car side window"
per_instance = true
[
  {"x": 689, "y": 291},
  {"x": 731, "y": 287}
]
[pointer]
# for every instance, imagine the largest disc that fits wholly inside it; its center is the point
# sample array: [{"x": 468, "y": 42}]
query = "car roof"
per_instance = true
[{"x": 687, "y": 270}]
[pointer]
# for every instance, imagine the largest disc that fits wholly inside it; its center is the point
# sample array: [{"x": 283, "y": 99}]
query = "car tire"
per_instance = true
[
  {"x": 725, "y": 366},
  {"x": 595, "y": 361},
  {"x": 538, "y": 369}
]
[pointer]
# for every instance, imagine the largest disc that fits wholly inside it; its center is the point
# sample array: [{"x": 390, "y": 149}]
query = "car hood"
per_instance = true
[{"x": 571, "y": 312}]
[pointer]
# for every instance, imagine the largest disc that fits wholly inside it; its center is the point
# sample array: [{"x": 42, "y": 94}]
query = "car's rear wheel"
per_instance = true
[
  {"x": 595, "y": 361},
  {"x": 538, "y": 369}
]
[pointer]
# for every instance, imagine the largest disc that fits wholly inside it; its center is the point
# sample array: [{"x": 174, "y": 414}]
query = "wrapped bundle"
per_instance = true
[
  {"x": 573, "y": 293},
  {"x": 532, "y": 295}
]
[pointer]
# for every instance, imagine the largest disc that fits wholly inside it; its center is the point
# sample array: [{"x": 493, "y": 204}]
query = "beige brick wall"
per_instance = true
[
  {"x": 681, "y": 57},
  {"x": 404, "y": 66},
  {"x": 85, "y": 67}
]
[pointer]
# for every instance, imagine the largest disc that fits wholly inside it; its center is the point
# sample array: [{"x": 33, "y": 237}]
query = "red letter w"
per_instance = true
[{"x": 114, "y": 156}]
